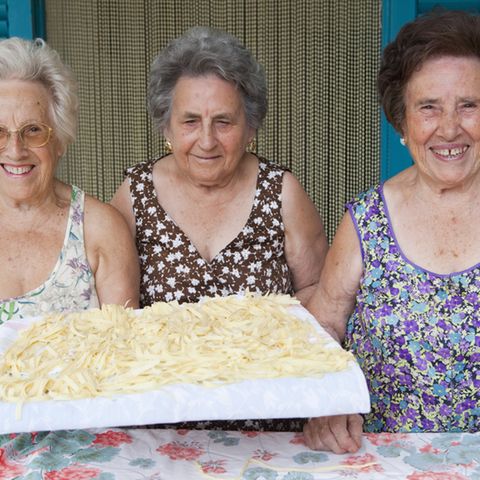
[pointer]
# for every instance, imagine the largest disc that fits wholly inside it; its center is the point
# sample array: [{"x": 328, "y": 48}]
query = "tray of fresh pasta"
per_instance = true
[{"x": 237, "y": 357}]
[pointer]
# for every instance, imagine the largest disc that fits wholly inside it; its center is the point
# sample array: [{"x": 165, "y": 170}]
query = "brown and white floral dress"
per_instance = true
[{"x": 172, "y": 268}]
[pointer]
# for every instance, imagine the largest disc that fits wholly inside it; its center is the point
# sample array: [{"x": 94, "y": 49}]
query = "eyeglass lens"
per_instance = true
[{"x": 31, "y": 135}]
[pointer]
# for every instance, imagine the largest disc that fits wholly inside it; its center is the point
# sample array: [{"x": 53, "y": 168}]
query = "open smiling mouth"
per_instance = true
[
  {"x": 450, "y": 153},
  {"x": 17, "y": 170}
]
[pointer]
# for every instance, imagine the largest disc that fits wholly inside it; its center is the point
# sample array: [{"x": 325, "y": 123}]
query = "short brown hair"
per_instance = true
[{"x": 437, "y": 33}]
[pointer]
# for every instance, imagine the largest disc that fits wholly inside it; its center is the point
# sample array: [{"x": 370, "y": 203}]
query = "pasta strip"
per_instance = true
[{"x": 114, "y": 350}]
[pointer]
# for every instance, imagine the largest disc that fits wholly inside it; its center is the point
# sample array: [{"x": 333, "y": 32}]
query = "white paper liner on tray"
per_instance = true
[{"x": 332, "y": 394}]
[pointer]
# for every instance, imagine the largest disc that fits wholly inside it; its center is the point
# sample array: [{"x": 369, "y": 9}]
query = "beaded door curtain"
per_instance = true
[{"x": 320, "y": 57}]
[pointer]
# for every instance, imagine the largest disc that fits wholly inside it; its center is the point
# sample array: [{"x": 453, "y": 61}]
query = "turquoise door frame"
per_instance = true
[
  {"x": 394, "y": 156},
  {"x": 25, "y": 18}
]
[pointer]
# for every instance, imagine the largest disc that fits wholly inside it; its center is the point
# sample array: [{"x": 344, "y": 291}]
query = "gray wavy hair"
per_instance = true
[
  {"x": 34, "y": 60},
  {"x": 201, "y": 51}
]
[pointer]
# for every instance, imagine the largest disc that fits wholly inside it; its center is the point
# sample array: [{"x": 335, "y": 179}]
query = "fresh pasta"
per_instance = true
[{"x": 114, "y": 350}]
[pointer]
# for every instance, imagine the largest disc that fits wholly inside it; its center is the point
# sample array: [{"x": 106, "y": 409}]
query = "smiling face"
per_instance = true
[
  {"x": 208, "y": 129},
  {"x": 442, "y": 120},
  {"x": 26, "y": 174}
]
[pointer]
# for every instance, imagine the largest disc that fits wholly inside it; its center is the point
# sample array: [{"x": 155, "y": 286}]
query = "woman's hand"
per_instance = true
[{"x": 338, "y": 433}]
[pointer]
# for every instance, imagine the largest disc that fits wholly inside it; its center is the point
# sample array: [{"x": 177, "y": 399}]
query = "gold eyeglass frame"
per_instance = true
[{"x": 20, "y": 135}]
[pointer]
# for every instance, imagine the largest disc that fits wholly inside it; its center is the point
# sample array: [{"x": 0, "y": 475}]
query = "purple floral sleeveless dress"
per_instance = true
[{"x": 415, "y": 333}]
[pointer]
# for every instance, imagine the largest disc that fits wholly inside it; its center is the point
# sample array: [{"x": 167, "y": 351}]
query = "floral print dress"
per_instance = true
[
  {"x": 172, "y": 268},
  {"x": 415, "y": 333},
  {"x": 71, "y": 285}
]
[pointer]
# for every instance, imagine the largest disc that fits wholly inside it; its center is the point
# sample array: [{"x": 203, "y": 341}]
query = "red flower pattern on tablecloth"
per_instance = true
[
  {"x": 214, "y": 466},
  {"x": 385, "y": 438},
  {"x": 8, "y": 470},
  {"x": 436, "y": 476},
  {"x": 428, "y": 448},
  {"x": 181, "y": 450},
  {"x": 182, "y": 431},
  {"x": 250, "y": 434},
  {"x": 364, "y": 460},
  {"x": 73, "y": 472},
  {"x": 264, "y": 455},
  {"x": 298, "y": 439},
  {"x": 112, "y": 439},
  {"x": 194, "y": 448}
]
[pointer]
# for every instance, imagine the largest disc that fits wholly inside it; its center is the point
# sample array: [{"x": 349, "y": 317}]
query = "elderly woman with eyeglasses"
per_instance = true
[{"x": 59, "y": 248}]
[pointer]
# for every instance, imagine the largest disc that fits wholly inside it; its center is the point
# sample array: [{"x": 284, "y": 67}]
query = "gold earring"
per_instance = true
[
  {"x": 252, "y": 145},
  {"x": 168, "y": 146}
]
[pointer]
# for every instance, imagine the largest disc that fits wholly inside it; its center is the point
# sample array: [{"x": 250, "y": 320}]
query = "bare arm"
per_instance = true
[
  {"x": 112, "y": 254},
  {"x": 334, "y": 298},
  {"x": 332, "y": 303},
  {"x": 123, "y": 203},
  {"x": 305, "y": 240}
]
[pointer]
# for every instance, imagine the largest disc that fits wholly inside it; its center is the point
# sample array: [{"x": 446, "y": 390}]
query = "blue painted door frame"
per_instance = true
[
  {"x": 22, "y": 18},
  {"x": 394, "y": 156}
]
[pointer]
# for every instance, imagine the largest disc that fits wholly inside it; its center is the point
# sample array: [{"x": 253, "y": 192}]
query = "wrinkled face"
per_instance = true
[
  {"x": 26, "y": 173},
  {"x": 442, "y": 120},
  {"x": 208, "y": 129}
]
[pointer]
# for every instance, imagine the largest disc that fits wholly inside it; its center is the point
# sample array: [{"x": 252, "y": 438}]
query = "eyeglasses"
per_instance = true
[{"x": 31, "y": 135}]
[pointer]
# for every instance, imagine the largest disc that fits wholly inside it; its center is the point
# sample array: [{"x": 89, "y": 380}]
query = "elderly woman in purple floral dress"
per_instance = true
[{"x": 401, "y": 283}]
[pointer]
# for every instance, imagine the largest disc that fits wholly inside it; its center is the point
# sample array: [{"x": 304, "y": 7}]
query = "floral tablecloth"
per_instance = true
[{"x": 141, "y": 454}]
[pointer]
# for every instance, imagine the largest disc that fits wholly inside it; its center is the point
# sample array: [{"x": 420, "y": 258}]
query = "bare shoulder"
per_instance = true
[
  {"x": 95, "y": 207},
  {"x": 102, "y": 220},
  {"x": 299, "y": 213},
  {"x": 346, "y": 244},
  {"x": 111, "y": 253},
  {"x": 295, "y": 201},
  {"x": 291, "y": 187}
]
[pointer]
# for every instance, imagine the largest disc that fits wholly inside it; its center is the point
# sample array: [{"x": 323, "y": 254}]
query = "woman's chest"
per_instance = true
[
  {"x": 28, "y": 259},
  {"x": 440, "y": 242}
]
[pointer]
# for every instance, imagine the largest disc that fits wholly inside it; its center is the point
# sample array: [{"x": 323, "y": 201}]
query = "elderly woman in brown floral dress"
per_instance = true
[{"x": 211, "y": 218}]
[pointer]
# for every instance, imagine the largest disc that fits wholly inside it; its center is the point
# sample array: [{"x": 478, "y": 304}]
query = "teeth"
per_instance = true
[
  {"x": 17, "y": 170},
  {"x": 452, "y": 152}
]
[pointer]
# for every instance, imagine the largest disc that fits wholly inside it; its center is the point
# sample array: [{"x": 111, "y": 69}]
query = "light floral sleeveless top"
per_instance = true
[{"x": 71, "y": 285}]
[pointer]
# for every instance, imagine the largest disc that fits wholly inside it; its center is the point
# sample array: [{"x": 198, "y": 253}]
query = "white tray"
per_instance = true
[{"x": 332, "y": 394}]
